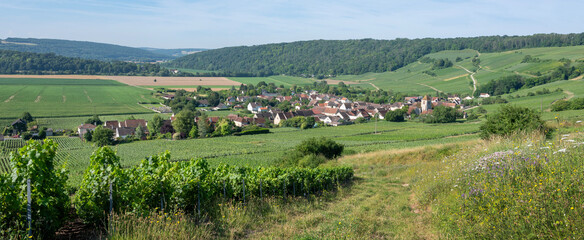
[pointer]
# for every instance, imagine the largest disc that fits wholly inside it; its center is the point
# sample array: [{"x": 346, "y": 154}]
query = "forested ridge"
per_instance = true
[
  {"x": 82, "y": 49},
  {"x": 13, "y": 62},
  {"x": 341, "y": 57}
]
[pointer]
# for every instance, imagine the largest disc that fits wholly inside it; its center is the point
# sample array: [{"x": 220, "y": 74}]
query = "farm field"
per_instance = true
[
  {"x": 69, "y": 97},
  {"x": 263, "y": 149},
  {"x": 412, "y": 79}
]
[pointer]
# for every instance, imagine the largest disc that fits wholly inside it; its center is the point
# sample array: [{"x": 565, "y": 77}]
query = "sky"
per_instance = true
[{"x": 225, "y": 23}]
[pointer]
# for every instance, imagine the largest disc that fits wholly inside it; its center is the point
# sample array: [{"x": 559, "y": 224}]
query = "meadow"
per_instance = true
[
  {"x": 48, "y": 98},
  {"x": 412, "y": 79}
]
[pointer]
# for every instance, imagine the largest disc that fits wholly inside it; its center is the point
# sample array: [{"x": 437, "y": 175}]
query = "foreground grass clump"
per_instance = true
[
  {"x": 156, "y": 225},
  {"x": 512, "y": 189}
]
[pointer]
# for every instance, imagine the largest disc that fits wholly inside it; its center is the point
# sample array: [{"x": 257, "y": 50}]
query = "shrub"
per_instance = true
[
  {"x": 328, "y": 148},
  {"x": 394, "y": 116},
  {"x": 50, "y": 201},
  {"x": 442, "y": 114},
  {"x": 92, "y": 198},
  {"x": 512, "y": 119}
]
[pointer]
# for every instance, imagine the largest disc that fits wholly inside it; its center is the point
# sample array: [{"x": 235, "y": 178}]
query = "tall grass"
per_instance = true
[{"x": 523, "y": 187}]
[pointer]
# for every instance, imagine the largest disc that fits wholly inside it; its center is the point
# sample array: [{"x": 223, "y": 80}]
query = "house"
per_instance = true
[
  {"x": 124, "y": 132},
  {"x": 318, "y": 110},
  {"x": 49, "y": 132},
  {"x": 331, "y": 111},
  {"x": 203, "y": 103},
  {"x": 264, "y": 109},
  {"x": 303, "y": 113},
  {"x": 242, "y": 121},
  {"x": 254, "y": 107},
  {"x": 344, "y": 116},
  {"x": 134, "y": 123},
  {"x": 237, "y": 107},
  {"x": 468, "y": 98},
  {"x": 18, "y": 125},
  {"x": 111, "y": 124},
  {"x": 346, "y": 106},
  {"x": 84, "y": 128},
  {"x": 168, "y": 97},
  {"x": 265, "y": 115},
  {"x": 221, "y": 106},
  {"x": 260, "y": 122},
  {"x": 484, "y": 95},
  {"x": 279, "y": 118}
]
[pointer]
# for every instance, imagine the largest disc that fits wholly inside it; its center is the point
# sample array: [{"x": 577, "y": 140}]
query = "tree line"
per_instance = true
[
  {"x": 14, "y": 62},
  {"x": 341, "y": 57}
]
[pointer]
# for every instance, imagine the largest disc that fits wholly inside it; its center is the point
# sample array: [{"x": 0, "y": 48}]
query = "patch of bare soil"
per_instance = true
[
  {"x": 173, "y": 81},
  {"x": 9, "y": 99}
]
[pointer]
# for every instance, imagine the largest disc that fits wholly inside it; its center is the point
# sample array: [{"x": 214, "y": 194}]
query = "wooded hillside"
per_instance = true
[{"x": 341, "y": 57}]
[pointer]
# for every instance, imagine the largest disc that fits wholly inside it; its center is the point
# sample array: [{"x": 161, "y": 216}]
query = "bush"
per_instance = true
[
  {"x": 512, "y": 119},
  {"x": 442, "y": 114},
  {"x": 92, "y": 198},
  {"x": 317, "y": 146},
  {"x": 394, "y": 116},
  {"x": 50, "y": 201}
]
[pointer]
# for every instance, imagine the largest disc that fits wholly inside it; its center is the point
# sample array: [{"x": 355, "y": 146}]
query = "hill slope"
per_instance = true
[
  {"x": 341, "y": 57},
  {"x": 81, "y": 49},
  {"x": 420, "y": 78}
]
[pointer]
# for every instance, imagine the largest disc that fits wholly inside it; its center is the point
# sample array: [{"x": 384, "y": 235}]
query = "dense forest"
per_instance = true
[
  {"x": 13, "y": 62},
  {"x": 339, "y": 57},
  {"x": 81, "y": 49}
]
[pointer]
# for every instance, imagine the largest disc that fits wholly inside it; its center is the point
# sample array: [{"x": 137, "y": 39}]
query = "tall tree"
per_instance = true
[
  {"x": 155, "y": 124},
  {"x": 184, "y": 121},
  {"x": 203, "y": 126}
]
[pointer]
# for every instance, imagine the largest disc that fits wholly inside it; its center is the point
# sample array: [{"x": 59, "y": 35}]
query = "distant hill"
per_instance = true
[
  {"x": 175, "y": 53},
  {"x": 82, "y": 49},
  {"x": 14, "y": 62},
  {"x": 344, "y": 57}
]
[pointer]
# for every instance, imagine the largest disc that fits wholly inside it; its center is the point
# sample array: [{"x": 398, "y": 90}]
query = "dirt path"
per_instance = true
[
  {"x": 474, "y": 81},
  {"x": 88, "y": 98},
  {"x": 64, "y": 98},
  {"x": 577, "y": 78},
  {"x": 455, "y": 77},
  {"x": 38, "y": 99},
  {"x": 9, "y": 98},
  {"x": 374, "y": 86},
  {"x": 570, "y": 94},
  {"x": 435, "y": 89}
]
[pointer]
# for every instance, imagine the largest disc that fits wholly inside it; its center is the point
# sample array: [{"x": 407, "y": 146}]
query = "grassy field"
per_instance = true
[
  {"x": 69, "y": 97},
  {"x": 412, "y": 79}
]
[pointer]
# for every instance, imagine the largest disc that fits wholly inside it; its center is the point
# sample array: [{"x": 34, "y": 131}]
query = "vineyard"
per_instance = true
[
  {"x": 156, "y": 184},
  {"x": 71, "y": 151}
]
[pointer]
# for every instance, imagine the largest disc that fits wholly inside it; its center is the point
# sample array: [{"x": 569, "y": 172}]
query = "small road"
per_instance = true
[
  {"x": 474, "y": 81},
  {"x": 435, "y": 89}
]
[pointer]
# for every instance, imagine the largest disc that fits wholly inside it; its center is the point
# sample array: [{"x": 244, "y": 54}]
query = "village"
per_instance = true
[{"x": 324, "y": 109}]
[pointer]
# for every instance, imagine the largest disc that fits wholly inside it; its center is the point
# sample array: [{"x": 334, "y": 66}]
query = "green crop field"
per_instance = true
[
  {"x": 265, "y": 149},
  {"x": 69, "y": 97},
  {"x": 260, "y": 150},
  {"x": 412, "y": 79}
]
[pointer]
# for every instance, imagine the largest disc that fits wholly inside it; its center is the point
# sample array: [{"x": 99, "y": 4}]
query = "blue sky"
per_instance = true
[{"x": 218, "y": 23}]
